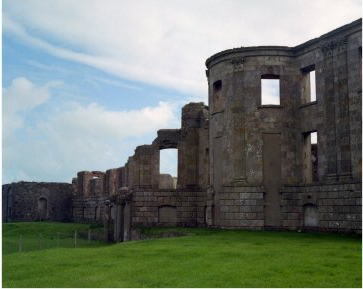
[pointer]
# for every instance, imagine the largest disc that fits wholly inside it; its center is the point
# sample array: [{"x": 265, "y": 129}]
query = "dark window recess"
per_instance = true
[{"x": 217, "y": 85}]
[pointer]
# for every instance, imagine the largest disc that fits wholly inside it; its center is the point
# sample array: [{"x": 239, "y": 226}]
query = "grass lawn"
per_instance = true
[{"x": 205, "y": 258}]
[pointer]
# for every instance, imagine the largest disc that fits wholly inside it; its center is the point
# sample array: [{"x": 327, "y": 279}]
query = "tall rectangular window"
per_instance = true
[
  {"x": 217, "y": 97},
  {"x": 308, "y": 84},
  {"x": 270, "y": 90},
  {"x": 310, "y": 157},
  {"x": 168, "y": 170}
]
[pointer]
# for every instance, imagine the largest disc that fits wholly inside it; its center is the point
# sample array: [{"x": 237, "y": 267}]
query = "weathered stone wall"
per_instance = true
[
  {"x": 89, "y": 210},
  {"x": 338, "y": 207},
  {"x": 188, "y": 208},
  {"x": 32, "y": 201},
  {"x": 166, "y": 182},
  {"x": 242, "y": 208},
  {"x": 268, "y": 146}
]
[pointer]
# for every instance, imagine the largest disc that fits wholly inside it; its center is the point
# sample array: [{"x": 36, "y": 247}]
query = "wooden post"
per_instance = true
[
  {"x": 40, "y": 241},
  {"x": 89, "y": 235},
  {"x": 75, "y": 239},
  {"x": 57, "y": 239},
  {"x": 20, "y": 243}
]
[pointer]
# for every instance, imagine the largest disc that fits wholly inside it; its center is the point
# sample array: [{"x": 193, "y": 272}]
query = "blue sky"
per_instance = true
[{"x": 85, "y": 82}]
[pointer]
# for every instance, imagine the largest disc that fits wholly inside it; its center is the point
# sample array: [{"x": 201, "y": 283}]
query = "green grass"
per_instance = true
[
  {"x": 46, "y": 235},
  {"x": 204, "y": 258}
]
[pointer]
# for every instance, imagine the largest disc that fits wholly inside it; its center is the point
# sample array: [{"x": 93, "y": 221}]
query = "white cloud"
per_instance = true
[
  {"x": 21, "y": 96},
  {"x": 72, "y": 137},
  {"x": 159, "y": 42},
  {"x": 80, "y": 121},
  {"x": 165, "y": 43}
]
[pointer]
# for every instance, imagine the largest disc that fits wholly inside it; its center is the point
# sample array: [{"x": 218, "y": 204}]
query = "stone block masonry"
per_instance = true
[
  {"x": 287, "y": 161},
  {"x": 32, "y": 201}
]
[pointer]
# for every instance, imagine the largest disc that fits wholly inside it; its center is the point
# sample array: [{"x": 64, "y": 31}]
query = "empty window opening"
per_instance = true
[
  {"x": 168, "y": 174},
  {"x": 217, "y": 85},
  {"x": 270, "y": 90},
  {"x": 217, "y": 96},
  {"x": 310, "y": 157},
  {"x": 94, "y": 185},
  {"x": 308, "y": 84}
]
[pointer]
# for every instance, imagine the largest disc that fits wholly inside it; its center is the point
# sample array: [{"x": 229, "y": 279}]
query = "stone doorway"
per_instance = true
[
  {"x": 272, "y": 178},
  {"x": 43, "y": 209}
]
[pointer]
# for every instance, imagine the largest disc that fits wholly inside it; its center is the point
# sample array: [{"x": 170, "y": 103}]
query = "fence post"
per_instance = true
[
  {"x": 40, "y": 241},
  {"x": 75, "y": 239},
  {"x": 89, "y": 235},
  {"x": 20, "y": 243},
  {"x": 57, "y": 239}
]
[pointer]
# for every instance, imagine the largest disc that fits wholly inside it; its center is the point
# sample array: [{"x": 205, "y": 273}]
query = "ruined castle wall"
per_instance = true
[
  {"x": 334, "y": 115},
  {"x": 32, "y": 201},
  {"x": 89, "y": 210},
  {"x": 354, "y": 62},
  {"x": 169, "y": 208},
  {"x": 92, "y": 191},
  {"x": 252, "y": 144},
  {"x": 337, "y": 207}
]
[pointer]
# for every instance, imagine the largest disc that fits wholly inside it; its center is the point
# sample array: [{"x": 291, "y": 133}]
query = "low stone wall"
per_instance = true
[
  {"x": 242, "y": 207},
  {"x": 89, "y": 209},
  {"x": 169, "y": 208},
  {"x": 330, "y": 207}
]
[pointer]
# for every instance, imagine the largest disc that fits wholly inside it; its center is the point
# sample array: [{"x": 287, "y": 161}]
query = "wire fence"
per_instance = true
[{"x": 41, "y": 241}]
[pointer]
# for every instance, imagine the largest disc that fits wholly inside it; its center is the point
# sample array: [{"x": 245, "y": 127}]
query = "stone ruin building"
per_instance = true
[{"x": 242, "y": 163}]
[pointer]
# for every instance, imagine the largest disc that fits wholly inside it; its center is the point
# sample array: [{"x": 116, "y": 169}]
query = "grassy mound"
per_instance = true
[{"x": 203, "y": 258}]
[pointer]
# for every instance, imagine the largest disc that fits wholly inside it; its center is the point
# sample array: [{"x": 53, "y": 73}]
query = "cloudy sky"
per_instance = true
[{"x": 84, "y": 82}]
